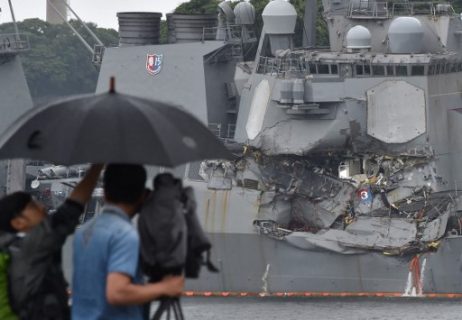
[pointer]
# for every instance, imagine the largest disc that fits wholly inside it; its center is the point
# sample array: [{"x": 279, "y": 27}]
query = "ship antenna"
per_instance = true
[{"x": 16, "y": 30}]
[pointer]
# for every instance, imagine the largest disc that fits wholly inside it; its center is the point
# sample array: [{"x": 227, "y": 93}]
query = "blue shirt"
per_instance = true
[{"x": 105, "y": 244}]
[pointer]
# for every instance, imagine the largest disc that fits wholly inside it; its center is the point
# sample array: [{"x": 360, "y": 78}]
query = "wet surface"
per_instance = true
[{"x": 321, "y": 309}]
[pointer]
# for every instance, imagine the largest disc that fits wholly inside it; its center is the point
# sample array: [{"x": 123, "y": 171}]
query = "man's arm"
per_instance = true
[
  {"x": 83, "y": 191},
  {"x": 121, "y": 291},
  {"x": 66, "y": 218}
]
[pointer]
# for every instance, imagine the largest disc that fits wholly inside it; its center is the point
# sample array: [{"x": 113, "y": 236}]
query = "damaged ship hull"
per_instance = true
[
  {"x": 245, "y": 259},
  {"x": 253, "y": 263},
  {"x": 346, "y": 178},
  {"x": 294, "y": 270}
]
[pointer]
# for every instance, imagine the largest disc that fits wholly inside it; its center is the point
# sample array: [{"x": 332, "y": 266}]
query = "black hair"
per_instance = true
[
  {"x": 10, "y": 207},
  {"x": 163, "y": 180},
  {"x": 124, "y": 183},
  {"x": 167, "y": 180}
]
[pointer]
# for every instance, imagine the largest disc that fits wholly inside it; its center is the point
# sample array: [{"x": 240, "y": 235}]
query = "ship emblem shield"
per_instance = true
[{"x": 154, "y": 63}]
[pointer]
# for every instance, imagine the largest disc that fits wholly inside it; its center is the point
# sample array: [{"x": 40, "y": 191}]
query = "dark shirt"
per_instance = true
[{"x": 37, "y": 285}]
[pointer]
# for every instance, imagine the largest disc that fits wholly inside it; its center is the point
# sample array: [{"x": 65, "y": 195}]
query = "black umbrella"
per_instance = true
[{"x": 111, "y": 127}]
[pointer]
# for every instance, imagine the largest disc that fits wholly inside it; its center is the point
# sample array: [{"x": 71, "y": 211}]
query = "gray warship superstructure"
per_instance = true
[
  {"x": 15, "y": 100},
  {"x": 347, "y": 174}
]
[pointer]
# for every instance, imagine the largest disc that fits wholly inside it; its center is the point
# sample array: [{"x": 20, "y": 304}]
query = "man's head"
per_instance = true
[
  {"x": 163, "y": 180},
  {"x": 19, "y": 212},
  {"x": 124, "y": 184}
]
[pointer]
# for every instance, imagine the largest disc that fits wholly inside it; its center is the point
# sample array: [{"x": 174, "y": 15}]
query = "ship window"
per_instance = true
[
  {"x": 312, "y": 68},
  {"x": 401, "y": 70},
  {"x": 431, "y": 69},
  {"x": 378, "y": 70},
  {"x": 418, "y": 70},
  {"x": 390, "y": 71},
  {"x": 367, "y": 70},
  {"x": 359, "y": 70},
  {"x": 437, "y": 69},
  {"x": 323, "y": 69},
  {"x": 333, "y": 69},
  {"x": 453, "y": 67},
  {"x": 459, "y": 67},
  {"x": 447, "y": 68}
]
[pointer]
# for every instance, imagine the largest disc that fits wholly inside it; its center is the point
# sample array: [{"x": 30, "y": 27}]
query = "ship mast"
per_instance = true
[{"x": 309, "y": 24}]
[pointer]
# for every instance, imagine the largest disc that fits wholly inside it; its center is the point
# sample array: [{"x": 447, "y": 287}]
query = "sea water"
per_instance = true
[{"x": 212, "y": 308}]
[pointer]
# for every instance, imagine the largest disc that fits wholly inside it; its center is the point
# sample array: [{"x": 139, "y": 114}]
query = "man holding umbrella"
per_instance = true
[{"x": 37, "y": 286}]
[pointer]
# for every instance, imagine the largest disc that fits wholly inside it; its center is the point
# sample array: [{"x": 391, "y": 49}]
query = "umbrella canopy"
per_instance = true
[{"x": 111, "y": 127}]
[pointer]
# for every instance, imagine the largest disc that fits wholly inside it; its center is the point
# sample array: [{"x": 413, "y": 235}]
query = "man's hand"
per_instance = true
[
  {"x": 173, "y": 285},
  {"x": 84, "y": 189}
]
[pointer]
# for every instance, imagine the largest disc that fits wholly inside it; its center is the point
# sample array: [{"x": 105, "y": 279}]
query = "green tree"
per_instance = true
[
  {"x": 163, "y": 32},
  {"x": 198, "y": 7},
  {"x": 457, "y": 5},
  {"x": 58, "y": 64}
]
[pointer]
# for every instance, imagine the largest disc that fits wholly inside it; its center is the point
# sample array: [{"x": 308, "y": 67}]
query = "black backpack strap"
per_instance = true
[{"x": 208, "y": 262}]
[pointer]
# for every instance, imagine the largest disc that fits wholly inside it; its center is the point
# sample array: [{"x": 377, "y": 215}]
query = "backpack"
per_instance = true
[
  {"x": 162, "y": 231},
  {"x": 6, "y": 311},
  {"x": 172, "y": 239}
]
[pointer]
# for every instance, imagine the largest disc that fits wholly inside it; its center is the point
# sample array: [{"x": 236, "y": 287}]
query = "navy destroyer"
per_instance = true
[{"x": 347, "y": 174}]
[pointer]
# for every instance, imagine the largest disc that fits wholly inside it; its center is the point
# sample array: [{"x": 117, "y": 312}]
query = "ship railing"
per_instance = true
[
  {"x": 365, "y": 9},
  {"x": 280, "y": 65},
  {"x": 230, "y": 34},
  {"x": 14, "y": 43},
  {"x": 368, "y": 9},
  {"x": 421, "y": 8}
]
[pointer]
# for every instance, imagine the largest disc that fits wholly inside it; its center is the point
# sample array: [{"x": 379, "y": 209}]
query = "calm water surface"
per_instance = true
[{"x": 322, "y": 309}]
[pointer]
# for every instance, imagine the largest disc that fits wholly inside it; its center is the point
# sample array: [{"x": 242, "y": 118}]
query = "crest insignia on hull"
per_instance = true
[{"x": 154, "y": 63}]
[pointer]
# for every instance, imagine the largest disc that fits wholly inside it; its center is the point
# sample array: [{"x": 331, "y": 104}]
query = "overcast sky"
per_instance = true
[{"x": 101, "y": 12}]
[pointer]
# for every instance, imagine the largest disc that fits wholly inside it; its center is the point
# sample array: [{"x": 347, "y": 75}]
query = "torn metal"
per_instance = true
[{"x": 349, "y": 206}]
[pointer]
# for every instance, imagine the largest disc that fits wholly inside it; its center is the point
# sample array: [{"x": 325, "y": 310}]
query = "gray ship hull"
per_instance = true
[{"x": 244, "y": 260}]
